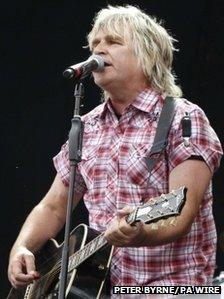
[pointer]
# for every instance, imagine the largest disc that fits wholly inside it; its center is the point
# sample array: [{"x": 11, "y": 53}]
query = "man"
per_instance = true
[{"x": 112, "y": 177}]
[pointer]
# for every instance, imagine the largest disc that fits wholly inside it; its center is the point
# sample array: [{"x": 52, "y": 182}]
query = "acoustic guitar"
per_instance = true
[{"x": 90, "y": 254}]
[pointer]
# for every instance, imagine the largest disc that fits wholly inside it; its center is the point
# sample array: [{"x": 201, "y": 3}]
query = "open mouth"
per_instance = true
[{"x": 107, "y": 64}]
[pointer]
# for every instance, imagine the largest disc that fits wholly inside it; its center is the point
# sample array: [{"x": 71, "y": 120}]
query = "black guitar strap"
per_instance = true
[{"x": 162, "y": 132}]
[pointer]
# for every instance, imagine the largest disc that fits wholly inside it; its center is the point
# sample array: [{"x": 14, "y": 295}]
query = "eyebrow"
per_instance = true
[
  {"x": 107, "y": 37},
  {"x": 95, "y": 41}
]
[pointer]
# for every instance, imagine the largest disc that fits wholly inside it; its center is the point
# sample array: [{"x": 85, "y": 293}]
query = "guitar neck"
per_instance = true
[
  {"x": 84, "y": 253},
  {"x": 163, "y": 206}
]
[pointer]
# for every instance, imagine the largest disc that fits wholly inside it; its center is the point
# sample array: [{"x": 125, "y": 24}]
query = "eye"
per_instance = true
[
  {"x": 115, "y": 41},
  {"x": 94, "y": 44}
]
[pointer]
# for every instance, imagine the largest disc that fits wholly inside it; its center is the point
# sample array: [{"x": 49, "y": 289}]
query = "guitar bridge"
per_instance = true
[{"x": 101, "y": 267}]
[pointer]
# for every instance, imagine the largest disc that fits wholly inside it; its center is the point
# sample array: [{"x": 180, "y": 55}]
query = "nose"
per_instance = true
[{"x": 100, "y": 48}]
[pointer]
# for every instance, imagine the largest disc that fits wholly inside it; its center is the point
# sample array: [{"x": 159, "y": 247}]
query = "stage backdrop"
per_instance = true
[{"x": 39, "y": 40}]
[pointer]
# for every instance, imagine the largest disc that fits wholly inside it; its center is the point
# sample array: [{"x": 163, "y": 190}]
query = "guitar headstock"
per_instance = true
[{"x": 163, "y": 206}]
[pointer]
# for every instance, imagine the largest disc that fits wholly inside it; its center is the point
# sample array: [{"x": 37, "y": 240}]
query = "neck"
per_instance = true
[{"x": 124, "y": 98}]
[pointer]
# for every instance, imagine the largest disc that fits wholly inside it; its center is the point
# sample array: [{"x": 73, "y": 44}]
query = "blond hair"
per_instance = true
[{"x": 152, "y": 44}]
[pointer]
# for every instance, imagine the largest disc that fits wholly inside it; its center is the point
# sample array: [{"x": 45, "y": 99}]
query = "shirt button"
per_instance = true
[
  {"x": 112, "y": 187},
  {"x": 118, "y": 130},
  {"x": 115, "y": 158}
]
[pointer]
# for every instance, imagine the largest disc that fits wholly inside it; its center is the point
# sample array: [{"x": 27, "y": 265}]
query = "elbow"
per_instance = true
[
  {"x": 184, "y": 230},
  {"x": 53, "y": 215}
]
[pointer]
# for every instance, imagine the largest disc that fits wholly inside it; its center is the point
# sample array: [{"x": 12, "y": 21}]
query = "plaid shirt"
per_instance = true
[{"x": 113, "y": 174}]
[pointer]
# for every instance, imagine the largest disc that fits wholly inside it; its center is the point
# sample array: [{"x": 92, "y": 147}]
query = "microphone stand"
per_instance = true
[{"x": 75, "y": 152}]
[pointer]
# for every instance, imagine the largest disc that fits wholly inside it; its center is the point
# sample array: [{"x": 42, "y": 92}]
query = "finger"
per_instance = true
[
  {"x": 18, "y": 284},
  {"x": 117, "y": 241},
  {"x": 137, "y": 225},
  {"x": 18, "y": 272},
  {"x": 16, "y": 268},
  {"x": 127, "y": 228},
  {"x": 22, "y": 281},
  {"x": 124, "y": 211},
  {"x": 114, "y": 235},
  {"x": 24, "y": 277},
  {"x": 120, "y": 233},
  {"x": 29, "y": 262}
]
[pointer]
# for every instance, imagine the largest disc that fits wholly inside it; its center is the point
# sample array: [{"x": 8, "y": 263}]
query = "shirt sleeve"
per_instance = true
[
  {"x": 62, "y": 166},
  {"x": 203, "y": 141}
]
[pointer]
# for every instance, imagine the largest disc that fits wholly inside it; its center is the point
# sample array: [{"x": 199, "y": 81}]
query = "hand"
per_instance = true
[
  {"x": 22, "y": 270},
  {"x": 122, "y": 234}
]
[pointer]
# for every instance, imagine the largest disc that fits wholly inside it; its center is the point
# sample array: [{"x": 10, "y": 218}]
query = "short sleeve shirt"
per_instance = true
[{"x": 113, "y": 174}]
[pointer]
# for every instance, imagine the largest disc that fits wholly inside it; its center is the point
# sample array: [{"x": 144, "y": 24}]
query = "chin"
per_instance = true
[
  {"x": 101, "y": 82},
  {"x": 103, "y": 78}
]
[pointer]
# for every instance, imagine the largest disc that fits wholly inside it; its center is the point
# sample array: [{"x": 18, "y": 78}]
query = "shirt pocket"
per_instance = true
[
  {"x": 87, "y": 165},
  {"x": 137, "y": 171}
]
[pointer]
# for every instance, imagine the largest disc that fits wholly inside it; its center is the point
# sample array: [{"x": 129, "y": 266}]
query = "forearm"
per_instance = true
[
  {"x": 163, "y": 232},
  {"x": 186, "y": 174},
  {"x": 42, "y": 224},
  {"x": 119, "y": 233}
]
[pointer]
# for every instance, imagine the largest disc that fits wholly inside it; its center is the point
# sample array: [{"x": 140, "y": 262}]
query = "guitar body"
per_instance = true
[
  {"x": 87, "y": 281},
  {"x": 90, "y": 255}
]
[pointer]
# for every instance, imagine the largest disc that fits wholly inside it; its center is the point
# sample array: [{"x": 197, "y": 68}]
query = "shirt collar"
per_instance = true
[{"x": 145, "y": 101}]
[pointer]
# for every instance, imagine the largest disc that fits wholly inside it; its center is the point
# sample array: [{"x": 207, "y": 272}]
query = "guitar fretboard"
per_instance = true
[
  {"x": 165, "y": 205},
  {"x": 89, "y": 249}
]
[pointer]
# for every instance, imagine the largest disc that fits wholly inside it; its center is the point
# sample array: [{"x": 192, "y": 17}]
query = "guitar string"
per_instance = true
[
  {"x": 56, "y": 254},
  {"x": 56, "y": 269},
  {"x": 45, "y": 264},
  {"x": 53, "y": 273}
]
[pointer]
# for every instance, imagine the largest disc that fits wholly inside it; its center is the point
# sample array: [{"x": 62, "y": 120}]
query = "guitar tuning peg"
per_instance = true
[
  {"x": 163, "y": 196},
  {"x": 173, "y": 221},
  {"x": 173, "y": 192},
  {"x": 152, "y": 202},
  {"x": 154, "y": 226}
]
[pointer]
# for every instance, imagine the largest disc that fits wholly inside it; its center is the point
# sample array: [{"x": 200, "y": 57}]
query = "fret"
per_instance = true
[
  {"x": 89, "y": 249},
  {"x": 155, "y": 209}
]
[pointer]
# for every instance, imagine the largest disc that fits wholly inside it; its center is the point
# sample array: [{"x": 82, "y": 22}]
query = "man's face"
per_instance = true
[{"x": 122, "y": 69}]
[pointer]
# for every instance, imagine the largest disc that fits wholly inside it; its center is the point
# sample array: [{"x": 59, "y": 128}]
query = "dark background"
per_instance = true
[{"x": 39, "y": 39}]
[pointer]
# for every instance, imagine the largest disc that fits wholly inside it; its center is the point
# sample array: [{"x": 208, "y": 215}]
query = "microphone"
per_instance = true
[{"x": 83, "y": 69}]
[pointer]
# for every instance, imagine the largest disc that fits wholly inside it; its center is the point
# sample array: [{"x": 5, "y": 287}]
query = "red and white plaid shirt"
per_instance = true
[{"x": 113, "y": 174}]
